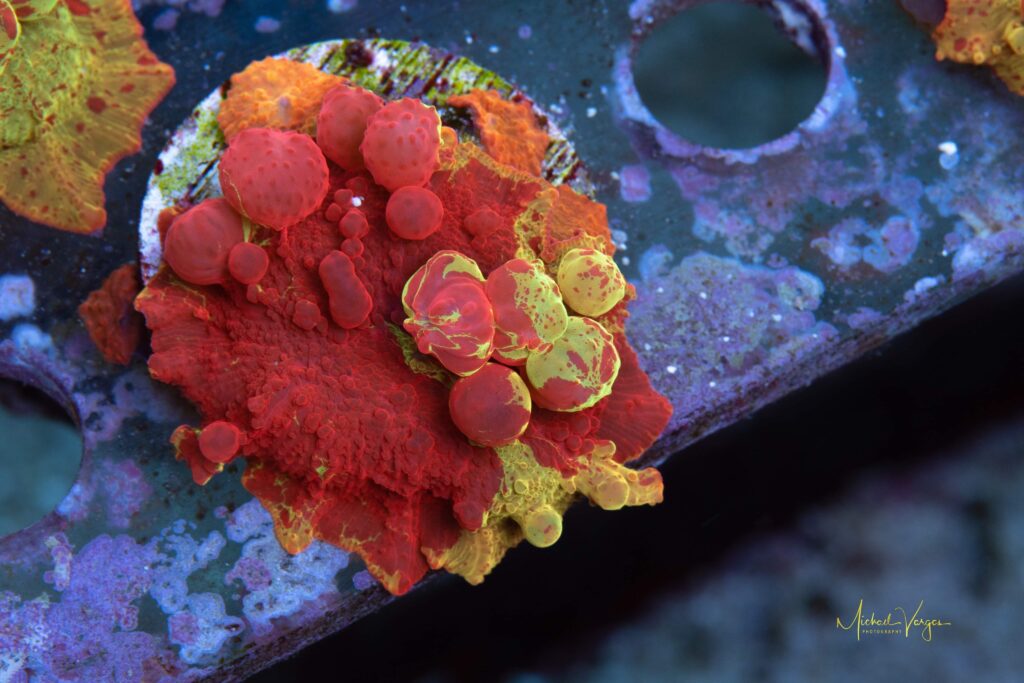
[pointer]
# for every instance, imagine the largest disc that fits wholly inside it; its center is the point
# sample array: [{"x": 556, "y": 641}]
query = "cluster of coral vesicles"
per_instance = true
[
  {"x": 985, "y": 32},
  {"x": 416, "y": 344},
  {"x": 76, "y": 83}
]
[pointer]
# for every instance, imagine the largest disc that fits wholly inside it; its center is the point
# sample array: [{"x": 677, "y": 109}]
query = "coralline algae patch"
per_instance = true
[
  {"x": 88, "y": 624},
  {"x": 74, "y": 93},
  {"x": 428, "y": 363},
  {"x": 723, "y": 328},
  {"x": 886, "y": 248},
  {"x": 989, "y": 32},
  {"x": 17, "y": 297}
]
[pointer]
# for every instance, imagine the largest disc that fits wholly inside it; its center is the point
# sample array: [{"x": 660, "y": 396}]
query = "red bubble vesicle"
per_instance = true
[
  {"x": 414, "y": 213},
  {"x": 349, "y": 301},
  {"x": 492, "y": 406},
  {"x": 342, "y": 122},
  {"x": 276, "y": 178},
  {"x": 199, "y": 241},
  {"x": 248, "y": 262},
  {"x": 401, "y": 144}
]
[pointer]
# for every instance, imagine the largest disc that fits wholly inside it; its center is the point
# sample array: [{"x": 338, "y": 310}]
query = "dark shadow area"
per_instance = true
[
  {"x": 917, "y": 397},
  {"x": 723, "y": 75},
  {"x": 40, "y": 453}
]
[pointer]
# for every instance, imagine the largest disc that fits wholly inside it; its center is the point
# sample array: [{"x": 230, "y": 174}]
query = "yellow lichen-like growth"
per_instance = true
[
  {"x": 275, "y": 93},
  {"x": 611, "y": 485},
  {"x": 590, "y": 282},
  {"x": 985, "y": 32},
  {"x": 73, "y": 97},
  {"x": 532, "y": 500}
]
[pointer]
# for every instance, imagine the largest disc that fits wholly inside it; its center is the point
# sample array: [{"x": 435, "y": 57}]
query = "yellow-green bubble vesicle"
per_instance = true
[
  {"x": 449, "y": 314},
  {"x": 590, "y": 281},
  {"x": 528, "y": 311},
  {"x": 579, "y": 369}
]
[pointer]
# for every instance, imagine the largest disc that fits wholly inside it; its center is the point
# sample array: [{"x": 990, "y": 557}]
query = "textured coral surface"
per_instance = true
[
  {"x": 346, "y": 421},
  {"x": 985, "y": 32},
  {"x": 73, "y": 95},
  {"x": 275, "y": 93}
]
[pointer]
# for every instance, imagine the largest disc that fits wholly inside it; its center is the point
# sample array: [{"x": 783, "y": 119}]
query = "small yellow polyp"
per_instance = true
[
  {"x": 590, "y": 282},
  {"x": 542, "y": 526},
  {"x": 612, "y": 486}
]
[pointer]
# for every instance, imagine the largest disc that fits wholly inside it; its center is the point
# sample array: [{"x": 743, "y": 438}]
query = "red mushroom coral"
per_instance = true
[
  {"x": 401, "y": 143},
  {"x": 274, "y": 178},
  {"x": 73, "y": 98},
  {"x": 113, "y": 325},
  {"x": 199, "y": 242},
  {"x": 352, "y": 421},
  {"x": 590, "y": 282},
  {"x": 491, "y": 406},
  {"x": 342, "y": 122},
  {"x": 219, "y": 441},
  {"x": 450, "y": 316}
]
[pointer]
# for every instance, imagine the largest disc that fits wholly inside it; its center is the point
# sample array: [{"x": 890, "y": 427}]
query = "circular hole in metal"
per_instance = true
[
  {"x": 40, "y": 455},
  {"x": 725, "y": 74}
]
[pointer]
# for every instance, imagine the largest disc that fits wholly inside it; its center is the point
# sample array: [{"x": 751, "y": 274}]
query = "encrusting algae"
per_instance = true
[
  {"x": 387, "y": 345},
  {"x": 77, "y": 81}
]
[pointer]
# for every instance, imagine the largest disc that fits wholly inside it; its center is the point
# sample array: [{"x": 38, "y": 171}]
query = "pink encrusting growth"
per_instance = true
[
  {"x": 387, "y": 373},
  {"x": 275, "y": 178}
]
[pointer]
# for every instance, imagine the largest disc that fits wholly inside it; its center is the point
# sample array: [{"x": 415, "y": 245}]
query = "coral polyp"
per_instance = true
[
  {"x": 376, "y": 376},
  {"x": 75, "y": 88}
]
